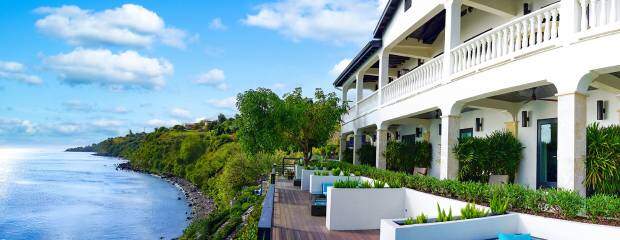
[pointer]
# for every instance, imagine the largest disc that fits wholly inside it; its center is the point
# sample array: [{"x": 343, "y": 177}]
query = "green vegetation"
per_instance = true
[
  {"x": 499, "y": 153},
  {"x": 603, "y": 159},
  {"x": 418, "y": 220},
  {"x": 367, "y": 154},
  {"x": 442, "y": 216},
  {"x": 296, "y": 123},
  {"x": 550, "y": 202},
  {"x": 365, "y": 184},
  {"x": 498, "y": 205},
  {"x": 336, "y": 171},
  {"x": 470, "y": 211},
  {"x": 404, "y": 156},
  {"x": 347, "y": 183},
  {"x": 378, "y": 184},
  {"x": 347, "y": 155}
]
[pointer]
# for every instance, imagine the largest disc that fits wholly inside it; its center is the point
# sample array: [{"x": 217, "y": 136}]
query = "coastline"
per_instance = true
[{"x": 198, "y": 202}]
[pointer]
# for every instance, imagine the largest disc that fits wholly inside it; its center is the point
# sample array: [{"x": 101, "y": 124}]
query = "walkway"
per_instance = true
[{"x": 292, "y": 219}]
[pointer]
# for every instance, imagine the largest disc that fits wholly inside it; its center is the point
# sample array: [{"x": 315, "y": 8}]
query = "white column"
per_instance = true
[
  {"x": 381, "y": 146},
  {"x": 384, "y": 69},
  {"x": 571, "y": 141},
  {"x": 357, "y": 144},
  {"x": 452, "y": 33},
  {"x": 359, "y": 87},
  {"x": 570, "y": 10},
  {"x": 345, "y": 90},
  {"x": 343, "y": 146},
  {"x": 449, "y": 165}
]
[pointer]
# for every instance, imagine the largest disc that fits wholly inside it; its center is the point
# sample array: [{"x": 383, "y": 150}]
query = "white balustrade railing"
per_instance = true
[
  {"x": 369, "y": 103},
  {"x": 350, "y": 114},
  {"x": 514, "y": 37},
  {"x": 597, "y": 13},
  {"x": 419, "y": 79}
]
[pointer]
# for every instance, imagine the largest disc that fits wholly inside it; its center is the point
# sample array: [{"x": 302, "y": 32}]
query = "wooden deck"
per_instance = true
[{"x": 292, "y": 219}]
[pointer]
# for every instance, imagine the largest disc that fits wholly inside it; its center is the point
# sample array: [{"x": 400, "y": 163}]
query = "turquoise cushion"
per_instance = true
[
  {"x": 510, "y": 236},
  {"x": 325, "y": 186}
]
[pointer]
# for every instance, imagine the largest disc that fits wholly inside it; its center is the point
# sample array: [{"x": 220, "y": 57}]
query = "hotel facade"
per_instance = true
[{"x": 438, "y": 70}]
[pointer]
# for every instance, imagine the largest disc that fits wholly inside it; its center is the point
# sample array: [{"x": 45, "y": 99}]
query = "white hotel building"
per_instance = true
[{"x": 439, "y": 69}]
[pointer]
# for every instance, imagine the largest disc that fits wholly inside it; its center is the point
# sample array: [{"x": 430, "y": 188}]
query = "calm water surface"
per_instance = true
[{"x": 57, "y": 195}]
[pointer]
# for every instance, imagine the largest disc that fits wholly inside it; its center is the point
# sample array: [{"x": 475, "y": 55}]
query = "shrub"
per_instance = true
[
  {"x": 442, "y": 216},
  {"x": 404, "y": 156},
  {"x": 518, "y": 198},
  {"x": 365, "y": 184},
  {"x": 421, "y": 219},
  {"x": 470, "y": 211},
  {"x": 603, "y": 159},
  {"x": 367, "y": 154},
  {"x": 566, "y": 203},
  {"x": 346, "y": 184},
  {"x": 347, "y": 155},
  {"x": 378, "y": 184},
  {"x": 496, "y": 154},
  {"x": 498, "y": 205},
  {"x": 336, "y": 171}
]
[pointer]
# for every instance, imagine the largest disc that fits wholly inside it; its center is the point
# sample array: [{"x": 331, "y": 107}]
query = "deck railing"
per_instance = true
[
  {"x": 350, "y": 115},
  {"x": 597, "y": 13},
  {"x": 425, "y": 76},
  {"x": 369, "y": 103},
  {"x": 514, "y": 37}
]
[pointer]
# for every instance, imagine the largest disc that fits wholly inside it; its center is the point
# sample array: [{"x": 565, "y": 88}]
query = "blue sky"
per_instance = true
[{"x": 77, "y": 72}]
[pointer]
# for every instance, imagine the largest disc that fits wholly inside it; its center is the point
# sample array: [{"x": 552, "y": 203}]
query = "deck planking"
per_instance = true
[{"x": 292, "y": 219}]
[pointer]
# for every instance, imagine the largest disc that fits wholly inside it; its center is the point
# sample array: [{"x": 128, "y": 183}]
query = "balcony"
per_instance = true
[{"x": 519, "y": 38}]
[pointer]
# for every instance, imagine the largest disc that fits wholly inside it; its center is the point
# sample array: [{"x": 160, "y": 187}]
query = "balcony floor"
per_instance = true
[{"x": 292, "y": 219}]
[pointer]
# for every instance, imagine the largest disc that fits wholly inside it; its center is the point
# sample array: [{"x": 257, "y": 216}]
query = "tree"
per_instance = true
[{"x": 268, "y": 123}]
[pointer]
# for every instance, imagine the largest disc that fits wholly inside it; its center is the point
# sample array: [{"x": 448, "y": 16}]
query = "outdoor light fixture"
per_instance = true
[
  {"x": 418, "y": 132},
  {"x": 479, "y": 122},
  {"x": 440, "y": 129},
  {"x": 525, "y": 119},
  {"x": 601, "y": 110}
]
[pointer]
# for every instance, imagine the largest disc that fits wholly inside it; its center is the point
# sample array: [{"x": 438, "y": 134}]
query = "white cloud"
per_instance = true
[
  {"x": 107, "y": 123},
  {"x": 100, "y": 66},
  {"x": 17, "y": 71},
  {"x": 217, "y": 24},
  {"x": 162, "y": 123},
  {"x": 128, "y": 25},
  {"x": 339, "y": 67},
  {"x": 180, "y": 113},
  {"x": 17, "y": 126},
  {"x": 119, "y": 110},
  {"x": 214, "y": 78},
  {"x": 338, "y": 21},
  {"x": 68, "y": 128},
  {"x": 225, "y": 103},
  {"x": 279, "y": 86},
  {"x": 78, "y": 106}
]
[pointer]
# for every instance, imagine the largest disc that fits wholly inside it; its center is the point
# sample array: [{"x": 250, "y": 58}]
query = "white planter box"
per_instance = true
[
  {"x": 362, "y": 208},
  {"x": 316, "y": 182},
  {"x": 549, "y": 228},
  {"x": 477, "y": 228},
  {"x": 305, "y": 179}
]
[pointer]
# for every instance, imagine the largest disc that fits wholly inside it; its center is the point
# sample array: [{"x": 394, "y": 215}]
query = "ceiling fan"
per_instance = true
[{"x": 533, "y": 94}]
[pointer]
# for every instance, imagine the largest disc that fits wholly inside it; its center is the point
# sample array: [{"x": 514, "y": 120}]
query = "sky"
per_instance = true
[{"x": 77, "y": 72}]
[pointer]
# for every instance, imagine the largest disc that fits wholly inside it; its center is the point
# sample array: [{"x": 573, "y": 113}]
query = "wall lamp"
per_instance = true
[
  {"x": 479, "y": 122},
  {"x": 525, "y": 119}
]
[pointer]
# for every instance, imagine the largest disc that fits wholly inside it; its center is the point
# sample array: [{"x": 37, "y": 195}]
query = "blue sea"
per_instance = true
[{"x": 50, "y": 194}]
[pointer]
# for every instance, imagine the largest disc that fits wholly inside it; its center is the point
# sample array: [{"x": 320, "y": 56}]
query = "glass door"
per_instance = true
[{"x": 547, "y": 163}]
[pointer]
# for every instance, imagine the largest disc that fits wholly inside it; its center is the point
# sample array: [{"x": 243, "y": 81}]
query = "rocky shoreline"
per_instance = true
[{"x": 199, "y": 203}]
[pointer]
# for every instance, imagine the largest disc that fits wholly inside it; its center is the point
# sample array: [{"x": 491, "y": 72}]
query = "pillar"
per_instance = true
[
  {"x": 359, "y": 87},
  {"x": 357, "y": 144},
  {"x": 381, "y": 146},
  {"x": 345, "y": 90},
  {"x": 572, "y": 141},
  {"x": 449, "y": 164},
  {"x": 452, "y": 33},
  {"x": 384, "y": 69},
  {"x": 570, "y": 11}
]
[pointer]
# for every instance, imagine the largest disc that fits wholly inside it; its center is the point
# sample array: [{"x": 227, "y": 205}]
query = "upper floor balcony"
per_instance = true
[{"x": 401, "y": 70}]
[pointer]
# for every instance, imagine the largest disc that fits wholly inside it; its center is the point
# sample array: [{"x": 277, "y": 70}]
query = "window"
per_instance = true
[
  {"x": 466, "y": 133},
  {"x": 407, "y": 5}
]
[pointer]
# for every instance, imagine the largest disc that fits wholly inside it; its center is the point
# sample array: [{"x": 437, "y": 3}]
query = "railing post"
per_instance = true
[{"x": 452, "y": 34}]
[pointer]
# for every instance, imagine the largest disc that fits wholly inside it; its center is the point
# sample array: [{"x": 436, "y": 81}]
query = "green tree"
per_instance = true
[{"x": 268, "y": 123}]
